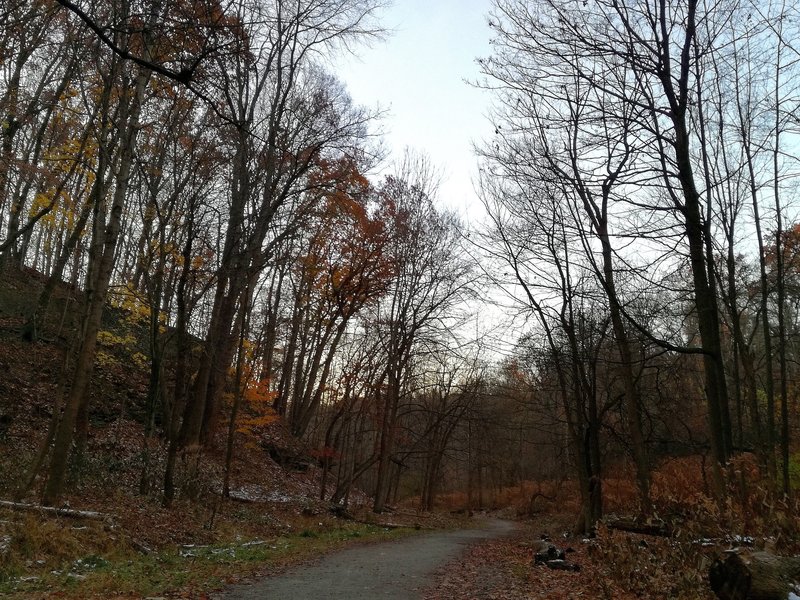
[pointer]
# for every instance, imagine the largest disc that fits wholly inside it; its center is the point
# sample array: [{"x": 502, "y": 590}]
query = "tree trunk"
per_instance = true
[
  {"x": 386, "y": 445},
  {"x": 104, "y": 246},
  {"x": 208, "y": 376},
  {"x": 705, "y": 299},
  {"x": 181, "y": 351},
  {"x": 632, "y": 402},
  {"x": 155, "y": 290}
]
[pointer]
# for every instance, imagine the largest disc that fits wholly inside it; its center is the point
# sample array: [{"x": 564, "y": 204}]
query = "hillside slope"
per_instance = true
[{"x": 266, "y": 500}]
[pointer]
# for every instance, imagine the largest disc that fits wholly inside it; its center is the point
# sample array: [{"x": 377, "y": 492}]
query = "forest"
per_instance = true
[{"x": 210, "y": 264}]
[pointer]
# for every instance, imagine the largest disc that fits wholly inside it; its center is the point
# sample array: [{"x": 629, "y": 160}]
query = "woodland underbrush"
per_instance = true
[
  {"x": 136, "y": 547},
  {"x": 697, "y": 528}
]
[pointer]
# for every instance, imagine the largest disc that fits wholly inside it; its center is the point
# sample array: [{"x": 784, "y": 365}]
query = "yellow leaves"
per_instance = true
[
  {"x": 201, "y": 260},
  {"x": 41, "y": 202},
  {"x": 63, "y": 160},
  {"x": 119, "y": 348},
  {"x": 73, "y": 155},
  {"x": 112, "y": 340},
  {"x": 139, "y": 359},
  {"x": 168, "y": 249},
  {"x": 109, "y": 339},
  {"x": 136, "y": 309}
]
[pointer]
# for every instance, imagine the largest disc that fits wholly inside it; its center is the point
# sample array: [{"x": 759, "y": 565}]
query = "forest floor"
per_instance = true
[
  {"x": 492, "y": 563},
  {"x": 503, "y": 569}
]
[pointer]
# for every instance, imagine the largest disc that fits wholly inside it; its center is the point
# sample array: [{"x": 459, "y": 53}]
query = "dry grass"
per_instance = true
[{"x": 91, "y": 560}]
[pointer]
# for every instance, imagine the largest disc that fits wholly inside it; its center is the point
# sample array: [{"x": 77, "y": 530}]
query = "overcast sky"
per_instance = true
[{"x": 418, "y": 74}]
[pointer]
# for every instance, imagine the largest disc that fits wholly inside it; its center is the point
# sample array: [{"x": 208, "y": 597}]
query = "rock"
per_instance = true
[
  {"x": 545, "y": 551},
  {"x": 562, "y": 565}
]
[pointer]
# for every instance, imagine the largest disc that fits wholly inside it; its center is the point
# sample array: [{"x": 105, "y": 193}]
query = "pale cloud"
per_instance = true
[{"x": 419, "y": 75}]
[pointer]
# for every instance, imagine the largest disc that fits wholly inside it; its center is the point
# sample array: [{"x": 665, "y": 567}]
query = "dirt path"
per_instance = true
[{"x": 394, "y": 570}]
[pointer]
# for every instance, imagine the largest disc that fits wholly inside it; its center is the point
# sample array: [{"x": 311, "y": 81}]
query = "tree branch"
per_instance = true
[{"x": 184, "y": 76}]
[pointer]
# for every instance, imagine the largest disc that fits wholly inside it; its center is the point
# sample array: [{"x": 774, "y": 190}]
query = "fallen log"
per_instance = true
[
  {"x": 655, "y": 527},
  {"x": 754, "y": 576},
  {"x": 386, "y": 525},
  {"x": 59, "y": 512},
  {"x": 390, "y": 525}
]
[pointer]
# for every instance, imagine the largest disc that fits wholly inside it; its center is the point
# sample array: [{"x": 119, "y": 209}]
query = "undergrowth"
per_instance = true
[{"x": 752, "y": 513}]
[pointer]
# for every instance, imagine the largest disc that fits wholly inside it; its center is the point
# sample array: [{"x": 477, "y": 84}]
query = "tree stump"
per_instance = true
[{"x": 754, "y": 576}]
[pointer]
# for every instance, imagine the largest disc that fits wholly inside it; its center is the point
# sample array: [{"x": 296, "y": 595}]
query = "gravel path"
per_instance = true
[{"x": 398, "y": 570}]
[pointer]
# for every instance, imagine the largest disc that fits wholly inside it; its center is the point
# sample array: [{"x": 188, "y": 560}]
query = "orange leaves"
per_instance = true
[
  {"x": 259, "y": 393},
  {"x": 345, "y": 264},
  {"x": 790, "y": 241},
  {"x": 257, "y": 411},
  {"x": 250, "y": 425}
]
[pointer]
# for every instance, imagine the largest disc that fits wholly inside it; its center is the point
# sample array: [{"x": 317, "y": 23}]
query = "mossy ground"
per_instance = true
[{"x": 50, "y": 557}]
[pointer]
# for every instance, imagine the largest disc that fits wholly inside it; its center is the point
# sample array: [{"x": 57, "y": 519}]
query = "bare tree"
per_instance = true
[
  {"x": 556, "y": 130},
  {"x": 430, "y": 280}
]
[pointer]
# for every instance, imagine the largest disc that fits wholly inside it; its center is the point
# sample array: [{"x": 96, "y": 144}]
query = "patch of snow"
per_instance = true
[
  {"x": 741, "y": 540},
  {"x": 256, "y": 493},
  {"x": 248, "y": 493},
  {"x": 189, "y": 550},
  {"x": 279, "y": 497}
]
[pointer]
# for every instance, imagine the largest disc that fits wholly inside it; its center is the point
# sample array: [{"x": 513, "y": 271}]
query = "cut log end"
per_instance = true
[{"x": 754, "y": 576}]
